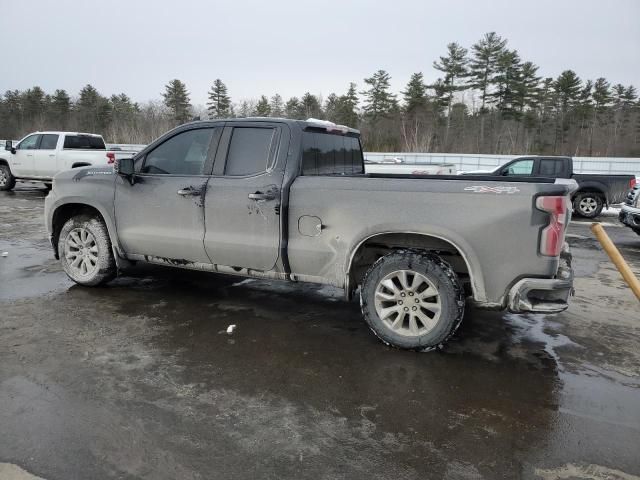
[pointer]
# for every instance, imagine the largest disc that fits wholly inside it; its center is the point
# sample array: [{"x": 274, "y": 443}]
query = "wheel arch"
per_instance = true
[
  {"x": 65, "y": 211},
  {"x": 592, "y": 187},
  {"x": 371, "y": 247}
]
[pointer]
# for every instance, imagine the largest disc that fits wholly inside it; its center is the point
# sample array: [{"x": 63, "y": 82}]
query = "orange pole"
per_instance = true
[{"x": 616, "y": 258}]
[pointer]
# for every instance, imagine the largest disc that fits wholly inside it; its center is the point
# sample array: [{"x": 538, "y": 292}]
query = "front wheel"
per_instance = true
[
  {"x": 412, "y": 300},
  {"x": 588, "y": 205},
  {"x": 85, "y": 251},
  {"x": 7, "y": 180}
]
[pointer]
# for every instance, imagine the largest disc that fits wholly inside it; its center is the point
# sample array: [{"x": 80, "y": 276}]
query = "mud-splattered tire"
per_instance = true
[
  {"x": 7, "y": 180},
  {"x": 588, "y": 204},
  {"x": 85, "y": 251},
  {"x": 412, "y": 300}
]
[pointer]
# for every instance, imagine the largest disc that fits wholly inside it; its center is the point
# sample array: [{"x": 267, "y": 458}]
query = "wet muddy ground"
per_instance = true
[{"x": 141, "y": 380}]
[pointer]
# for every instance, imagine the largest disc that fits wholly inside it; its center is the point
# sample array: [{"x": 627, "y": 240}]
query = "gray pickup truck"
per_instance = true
[{"x": 289, "y": 200}]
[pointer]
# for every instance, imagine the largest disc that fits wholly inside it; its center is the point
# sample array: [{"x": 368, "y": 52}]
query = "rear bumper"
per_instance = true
[{"x": 544, "y": 295}]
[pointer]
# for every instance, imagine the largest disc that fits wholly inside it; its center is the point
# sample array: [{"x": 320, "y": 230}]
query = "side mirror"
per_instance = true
[
  {"x": 8, "y": 146},
  {"x": 124, "y": 167}
]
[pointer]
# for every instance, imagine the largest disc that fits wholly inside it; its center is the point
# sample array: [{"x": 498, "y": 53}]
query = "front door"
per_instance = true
[
  {"x": 243, "y": 197},
  {"x": 22, "y": 160},
  {"x": 44, "y": 164},
  {"x": 162, "y": 213}
]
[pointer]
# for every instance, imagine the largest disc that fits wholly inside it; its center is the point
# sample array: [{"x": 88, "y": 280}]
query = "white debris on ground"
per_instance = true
[
  {"x": 5, "y": 254},
  {"x": 230, "y": 329}
]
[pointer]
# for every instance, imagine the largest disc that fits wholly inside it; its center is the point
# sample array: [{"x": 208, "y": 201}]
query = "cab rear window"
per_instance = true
[
  {"x": 83, "y": 142},
  {"x": 330, "y": 154}
]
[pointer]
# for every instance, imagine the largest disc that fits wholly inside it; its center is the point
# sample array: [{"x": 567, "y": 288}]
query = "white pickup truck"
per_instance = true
[{"x": 41, "y": 155}]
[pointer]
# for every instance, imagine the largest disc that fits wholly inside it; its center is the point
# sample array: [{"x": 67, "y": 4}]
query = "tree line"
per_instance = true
[{"x": 486, "y": 100}]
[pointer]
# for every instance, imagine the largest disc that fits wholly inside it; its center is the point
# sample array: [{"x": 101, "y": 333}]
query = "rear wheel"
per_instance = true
[
  {"x": 412, "y": 300},
  {"x": 85, "y": 251},
  {"x": 588, "y": 204},
  {"x": 7, "y": 180}
]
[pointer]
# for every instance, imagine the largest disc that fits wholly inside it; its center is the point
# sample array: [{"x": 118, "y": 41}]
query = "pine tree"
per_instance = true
[
  {"x": 567, "y": 88},
  {"x": 379, "y": 101},
  {"x": 12, "y": 118},
  {"x": 293, "y": 109},
  {"x": 60, "y": 109},
  {"x": 601, "y": 97},
  {"x": 526, "y": 87},
  {"x": 277, "y": 106},
  {"x": 454, "y": 67},
  {"x": 245, "y": 109},
  {"x": 34, "y": 107},
  {"x": 87, "y": 108},
  {"x": 484, "y": 63},
  {"x": 310, "y": 106},
  {"x": 508, "y": 73},
  {"x": 219, "y": 104},
  {"x": 347, "y": 107},
  {"x": 176, "y": 99},
  {"x": 415, "y": 95},
  {"x": 332, "y": 107},
  {"x": 262, "y": 107}
]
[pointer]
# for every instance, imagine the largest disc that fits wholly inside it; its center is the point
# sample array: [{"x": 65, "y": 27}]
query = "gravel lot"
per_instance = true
[{"x": 141, "y": 380}]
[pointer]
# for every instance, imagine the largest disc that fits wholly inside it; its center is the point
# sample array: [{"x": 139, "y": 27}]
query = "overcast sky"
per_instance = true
[{"x": 291, "y": 46}]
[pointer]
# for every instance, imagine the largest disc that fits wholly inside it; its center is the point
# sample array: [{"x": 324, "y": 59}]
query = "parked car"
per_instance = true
[
  {"x": 630, "y": 213},
  {"x": 594, "y": 190},
  {"x": 289, "y": 200},
  {"x": 39, "y": 156}
]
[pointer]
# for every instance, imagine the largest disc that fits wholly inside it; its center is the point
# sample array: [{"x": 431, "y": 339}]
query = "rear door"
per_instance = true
[
  {"x": 162, "y": 213},
  {"x": 553, "y": 168},
  {"x": 244, "y": 195},
  {"x": 45, "y": 156},
  {"x": 22, "y": 162}
]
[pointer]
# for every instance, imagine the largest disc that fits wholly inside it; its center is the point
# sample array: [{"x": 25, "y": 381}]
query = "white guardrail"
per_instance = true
[{"x": 467, "y": 162}]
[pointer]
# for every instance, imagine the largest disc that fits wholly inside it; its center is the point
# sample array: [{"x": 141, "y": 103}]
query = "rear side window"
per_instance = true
[
  {"x": 328, "y": 154},
  {"x": 48, "y": 142},
  {"x": 83, "y": 142},
  {"x": 551, "y": 167},
  {"x": 249, "y": 151}
]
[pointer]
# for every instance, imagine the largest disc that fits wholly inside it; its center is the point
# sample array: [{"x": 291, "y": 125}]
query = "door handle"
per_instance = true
[
  {"x": 189, "y": 191},
  {"x": 261, "y": 196},
  {"x": 52, "y": 154}
]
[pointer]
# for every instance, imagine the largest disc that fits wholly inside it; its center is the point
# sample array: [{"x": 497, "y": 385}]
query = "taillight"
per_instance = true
[
  {"x": 111, "y": 157},
  {"x": 552, "y": 236},
  {"x": 632, "y": 182}
]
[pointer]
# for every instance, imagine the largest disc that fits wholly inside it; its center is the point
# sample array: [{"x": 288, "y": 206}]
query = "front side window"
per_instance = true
[
  {"x": 330, "y": 154},
  {"x": 48, "y": 142},
  {"x": 249, "y": 151},
  {"x": 183, "y": 154},
  {"x": 522, "y": 167},
  {"x": 29, "y": 143}
]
